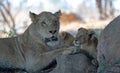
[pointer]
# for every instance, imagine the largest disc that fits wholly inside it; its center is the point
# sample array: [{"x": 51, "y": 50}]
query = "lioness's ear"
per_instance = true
[
  {"x": 58, "y": 14},
  {"x": 33, "y": 16}
]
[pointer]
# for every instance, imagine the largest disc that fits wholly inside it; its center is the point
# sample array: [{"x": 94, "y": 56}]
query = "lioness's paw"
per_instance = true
[{"x": 70, "y": 50}]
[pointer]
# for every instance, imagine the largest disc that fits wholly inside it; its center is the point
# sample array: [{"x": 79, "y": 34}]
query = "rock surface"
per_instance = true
[{"x": 109, "y": 48}]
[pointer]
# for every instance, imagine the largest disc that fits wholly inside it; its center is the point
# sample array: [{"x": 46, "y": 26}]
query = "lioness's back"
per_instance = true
[
  {"x": 7, "y": 42},
  {"x": 8, "y": 52}
]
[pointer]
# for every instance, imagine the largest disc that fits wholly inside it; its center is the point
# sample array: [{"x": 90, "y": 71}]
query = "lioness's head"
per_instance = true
[
  {"x": 83, "y": 36},
  {"x": 45, "y": 26}
]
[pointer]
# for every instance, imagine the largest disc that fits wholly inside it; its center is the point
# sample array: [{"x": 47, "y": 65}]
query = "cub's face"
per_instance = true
[
  {"x": 81, "y": 37},
  {"x": 46, "y": 26},
  {"x": 66, "y": 39}
]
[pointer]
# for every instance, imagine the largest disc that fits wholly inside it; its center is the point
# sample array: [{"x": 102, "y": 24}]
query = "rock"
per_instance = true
[
  {"x": 109, "y": 48},
  {"x": 77, "y": 63},
  {"x": 12, "y": 70}
]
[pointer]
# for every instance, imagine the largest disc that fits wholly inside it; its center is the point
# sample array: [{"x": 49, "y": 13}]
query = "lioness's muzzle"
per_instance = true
[{"x": 53, "y": 38}]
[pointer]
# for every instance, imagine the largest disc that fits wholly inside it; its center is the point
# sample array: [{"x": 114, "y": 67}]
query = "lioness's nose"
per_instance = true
[{"x": 52, "y": 31}]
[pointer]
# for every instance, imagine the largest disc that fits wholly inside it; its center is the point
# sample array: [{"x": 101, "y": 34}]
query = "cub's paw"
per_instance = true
[
  {"x": 91, "y": 69},
  {"x": 95, "y": 62}
]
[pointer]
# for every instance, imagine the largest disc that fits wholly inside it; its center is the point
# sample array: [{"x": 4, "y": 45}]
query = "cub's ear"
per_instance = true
[
  {"x": 33, "y": 16},
  {"x": 63, "y": 35},
  {"x": 91, "y": 35},
  {"x": 81, "y": 28},
  {"x": 93, "y": 38},
  {"x": 58, "y": 14}
]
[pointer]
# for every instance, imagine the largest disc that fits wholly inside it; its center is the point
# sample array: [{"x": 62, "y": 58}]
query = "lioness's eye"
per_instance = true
[
  {"x": 43, "y": 23},
  {"x": 56, "y": 22}
]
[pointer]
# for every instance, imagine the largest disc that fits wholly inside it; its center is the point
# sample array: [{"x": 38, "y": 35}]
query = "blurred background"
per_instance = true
[{"x": 90, "y": 14}]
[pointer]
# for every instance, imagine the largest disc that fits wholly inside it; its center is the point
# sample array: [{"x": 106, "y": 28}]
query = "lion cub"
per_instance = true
[
  {"x": 66, "y": 39},
  {"x": 87, "y": 42}
]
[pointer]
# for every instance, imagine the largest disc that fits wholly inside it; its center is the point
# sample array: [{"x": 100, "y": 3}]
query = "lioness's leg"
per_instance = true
[{"x": 46, "y": 58}]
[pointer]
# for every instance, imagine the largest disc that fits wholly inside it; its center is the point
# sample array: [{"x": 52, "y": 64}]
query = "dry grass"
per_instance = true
[{"x": 96, "y": 25}]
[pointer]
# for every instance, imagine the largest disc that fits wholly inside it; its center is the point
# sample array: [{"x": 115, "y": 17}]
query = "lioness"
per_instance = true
[
  {"x": 87, "y": 42},
  {"x": 66, "y": 39},
  {"x": 33, "y": 50}
]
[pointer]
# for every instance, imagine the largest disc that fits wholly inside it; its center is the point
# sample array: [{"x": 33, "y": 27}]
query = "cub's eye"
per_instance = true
[{"x": 81, "y": 36}]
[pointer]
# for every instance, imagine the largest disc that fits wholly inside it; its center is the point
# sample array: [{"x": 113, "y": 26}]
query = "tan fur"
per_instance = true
[
  {"x": 33, "y": 50},
  {"x": 86, "y": 40},
  {"x": 66, "y": 39}
]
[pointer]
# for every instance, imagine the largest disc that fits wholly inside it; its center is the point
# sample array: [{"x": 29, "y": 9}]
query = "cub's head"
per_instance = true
[
  {"x": 45, "y": 27},
  {"x": 66, "y": 39},
  {"x": 83, "y": 36}
]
